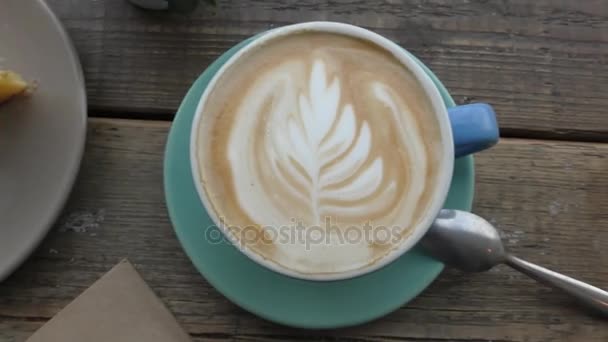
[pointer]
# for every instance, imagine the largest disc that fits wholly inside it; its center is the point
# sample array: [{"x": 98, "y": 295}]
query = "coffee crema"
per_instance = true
[{"x": 316, "y": 128}]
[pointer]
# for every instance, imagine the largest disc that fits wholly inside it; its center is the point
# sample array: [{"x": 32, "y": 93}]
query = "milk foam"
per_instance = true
[{"x": 309, "y": 140}]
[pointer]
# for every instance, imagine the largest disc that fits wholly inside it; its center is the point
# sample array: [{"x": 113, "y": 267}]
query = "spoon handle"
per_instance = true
[{"x": 591, "y": 296}]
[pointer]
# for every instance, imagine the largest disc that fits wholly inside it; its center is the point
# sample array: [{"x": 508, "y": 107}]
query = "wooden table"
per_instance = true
[{"x": 543, "y": 64}]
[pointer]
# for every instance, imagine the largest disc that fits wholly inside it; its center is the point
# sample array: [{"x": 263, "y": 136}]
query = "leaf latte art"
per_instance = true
[
  {"x": 327, "y": 131},
  {"x": 317, "y": 153}
]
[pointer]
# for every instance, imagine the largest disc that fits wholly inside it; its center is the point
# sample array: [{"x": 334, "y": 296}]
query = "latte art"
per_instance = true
[
  {"x": 314, "y": 129},
  {"x": 316, "y": 156}
]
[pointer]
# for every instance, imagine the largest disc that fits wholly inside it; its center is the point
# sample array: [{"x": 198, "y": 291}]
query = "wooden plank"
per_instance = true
[
  {"x": 542, "y": 63},
  {"x": 549, "y": 198}
]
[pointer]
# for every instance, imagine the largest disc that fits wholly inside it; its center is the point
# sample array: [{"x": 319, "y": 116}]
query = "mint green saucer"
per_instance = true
[{"x": 285, "y": 300}]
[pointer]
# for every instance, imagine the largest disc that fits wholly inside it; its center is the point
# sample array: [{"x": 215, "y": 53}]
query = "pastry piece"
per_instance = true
[{"x": 11, "y": 85}]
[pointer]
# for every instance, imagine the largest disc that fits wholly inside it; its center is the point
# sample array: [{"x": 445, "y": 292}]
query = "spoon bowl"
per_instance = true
[
  {"x": 468, "y": 242},
  {"x": 465, "y": 241}
]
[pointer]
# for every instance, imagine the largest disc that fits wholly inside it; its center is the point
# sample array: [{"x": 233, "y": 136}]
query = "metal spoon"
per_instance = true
[{"x": 470, "y": 243}]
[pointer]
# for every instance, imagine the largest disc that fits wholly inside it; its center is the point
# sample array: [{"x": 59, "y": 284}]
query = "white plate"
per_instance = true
[{"x": 41, "y": 137}]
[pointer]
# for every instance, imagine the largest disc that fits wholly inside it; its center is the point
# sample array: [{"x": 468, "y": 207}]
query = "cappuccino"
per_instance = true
[{"x": 319, "y": 152}]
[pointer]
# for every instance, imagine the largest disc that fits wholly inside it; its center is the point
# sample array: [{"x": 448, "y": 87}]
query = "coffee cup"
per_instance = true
[{"x": 324, "y": 151}]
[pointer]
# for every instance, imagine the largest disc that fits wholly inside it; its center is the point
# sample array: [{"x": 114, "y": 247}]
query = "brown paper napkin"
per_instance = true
[{"x": 118, "y": 307}]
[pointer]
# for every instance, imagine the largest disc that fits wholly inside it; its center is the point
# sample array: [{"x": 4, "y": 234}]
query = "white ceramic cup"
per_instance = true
[{"x": 481, "y": 119}]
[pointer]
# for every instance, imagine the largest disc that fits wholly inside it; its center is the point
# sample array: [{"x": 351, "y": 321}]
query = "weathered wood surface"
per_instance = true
[
  {"x": 542, "y": 63},
  {"x": 549, "y": 198}
]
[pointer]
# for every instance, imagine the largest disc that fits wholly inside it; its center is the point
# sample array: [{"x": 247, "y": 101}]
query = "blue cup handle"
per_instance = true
[{"x": 474, "y": 128}]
